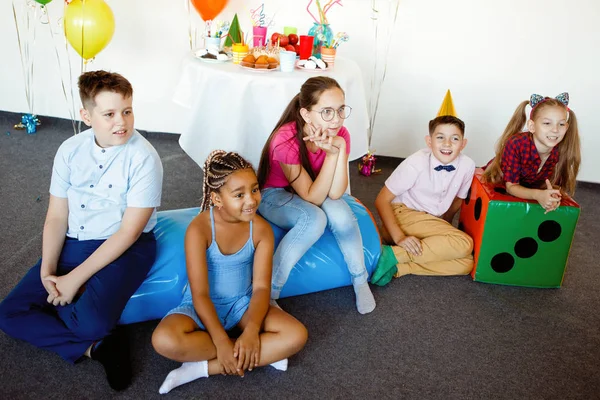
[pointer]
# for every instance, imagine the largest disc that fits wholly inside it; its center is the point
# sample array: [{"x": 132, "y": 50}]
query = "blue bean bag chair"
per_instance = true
[
  {"x": 321, "y": 268},
  {"x": 162, "y": 290}
]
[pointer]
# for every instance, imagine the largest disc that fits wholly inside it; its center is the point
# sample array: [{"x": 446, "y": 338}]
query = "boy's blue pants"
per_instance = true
[{"x": 69, "y": 330}]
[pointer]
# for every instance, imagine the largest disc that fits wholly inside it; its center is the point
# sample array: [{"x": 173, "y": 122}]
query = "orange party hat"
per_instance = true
[{"x": 447, "y": 107}]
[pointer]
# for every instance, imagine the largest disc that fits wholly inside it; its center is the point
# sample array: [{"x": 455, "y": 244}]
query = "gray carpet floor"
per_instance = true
[{"x": 429, "y": 337}]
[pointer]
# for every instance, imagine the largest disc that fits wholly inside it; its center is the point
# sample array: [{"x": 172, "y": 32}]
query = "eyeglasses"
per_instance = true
[{"x": 328, "y": 113}]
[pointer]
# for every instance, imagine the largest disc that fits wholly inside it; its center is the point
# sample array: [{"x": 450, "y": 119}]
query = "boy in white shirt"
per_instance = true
[{"x": 98, "y": 240}]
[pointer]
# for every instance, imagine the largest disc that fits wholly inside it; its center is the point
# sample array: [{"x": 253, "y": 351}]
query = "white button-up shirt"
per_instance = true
[
  {"x": 100, "y": 183},
  {"x": 419, "y": 186}
]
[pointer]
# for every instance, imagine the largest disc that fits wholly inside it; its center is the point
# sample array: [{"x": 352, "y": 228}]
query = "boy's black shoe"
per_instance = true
[{"x": 113, "y": 353}]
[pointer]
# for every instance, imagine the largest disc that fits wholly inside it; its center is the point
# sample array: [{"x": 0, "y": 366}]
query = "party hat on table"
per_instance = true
[
  {"x": 234, "y": 32},
  {"x": 447, "y": 107}
]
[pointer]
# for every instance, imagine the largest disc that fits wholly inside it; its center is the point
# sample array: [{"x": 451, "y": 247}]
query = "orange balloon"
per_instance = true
[{"x": 209, "y": 9}]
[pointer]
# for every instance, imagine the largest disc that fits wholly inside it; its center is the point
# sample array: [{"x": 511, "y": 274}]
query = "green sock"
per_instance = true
[{"x": 386, "y": 267}]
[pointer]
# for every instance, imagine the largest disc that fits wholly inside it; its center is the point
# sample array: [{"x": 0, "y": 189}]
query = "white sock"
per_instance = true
[
  {"x": 365, "y": 302},
  {"x": 281, "y": 365},
  {"x": 188, "y": 372}
]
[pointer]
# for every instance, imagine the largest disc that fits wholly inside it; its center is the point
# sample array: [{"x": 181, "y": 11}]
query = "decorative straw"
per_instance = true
[
  {"x": 331, "y": 4},
  {"x": 321, "y": 16},
  {"x": 232, "y": 39},
  {"x": 308, "y": 10}
]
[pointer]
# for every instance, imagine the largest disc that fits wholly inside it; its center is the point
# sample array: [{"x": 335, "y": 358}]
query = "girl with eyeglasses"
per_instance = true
[{"x": 303, "y": 173}]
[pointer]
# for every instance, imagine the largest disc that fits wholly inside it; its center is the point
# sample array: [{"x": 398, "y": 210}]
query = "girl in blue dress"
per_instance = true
[{"x": 229, "y": 254}]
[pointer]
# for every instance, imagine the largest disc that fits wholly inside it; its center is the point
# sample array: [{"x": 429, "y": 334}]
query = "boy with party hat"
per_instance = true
[{"x": 418, "y": 202}]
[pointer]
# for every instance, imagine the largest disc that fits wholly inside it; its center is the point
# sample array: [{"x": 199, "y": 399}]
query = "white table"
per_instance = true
[{"x": 234, "y": 109}]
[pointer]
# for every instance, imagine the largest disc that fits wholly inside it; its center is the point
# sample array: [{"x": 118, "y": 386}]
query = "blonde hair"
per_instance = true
[
  {"x": 566, "y": 170},
  {"x": 218, "y": 166}
]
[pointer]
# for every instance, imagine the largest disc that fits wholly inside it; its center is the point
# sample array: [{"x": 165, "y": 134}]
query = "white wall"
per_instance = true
[{"x": 492, "y": 55}]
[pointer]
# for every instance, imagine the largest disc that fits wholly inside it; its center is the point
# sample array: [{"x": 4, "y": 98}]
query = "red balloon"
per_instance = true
[{"x": 209, "y": 9}]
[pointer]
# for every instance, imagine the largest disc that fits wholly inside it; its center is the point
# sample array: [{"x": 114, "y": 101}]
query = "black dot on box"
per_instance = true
[
  {"x": 500, "y": 190},
  {"x": 549, "y": 231},
  {"x": 526, "y": 247},
  {"x": 468, "y": 198},
  {"x": 502, "y": 262},
  {"x": 478, "y": 205}
]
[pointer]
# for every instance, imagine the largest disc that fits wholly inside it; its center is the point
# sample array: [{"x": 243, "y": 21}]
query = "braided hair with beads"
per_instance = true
[{"x": 218, "y": 166}]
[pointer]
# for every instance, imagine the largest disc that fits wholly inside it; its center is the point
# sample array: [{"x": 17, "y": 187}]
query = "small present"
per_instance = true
[{"x": 367, "y": 165}]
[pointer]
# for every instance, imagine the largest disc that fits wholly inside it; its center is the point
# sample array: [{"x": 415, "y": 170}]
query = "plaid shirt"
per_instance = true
[{"x": 521, "y": 161}]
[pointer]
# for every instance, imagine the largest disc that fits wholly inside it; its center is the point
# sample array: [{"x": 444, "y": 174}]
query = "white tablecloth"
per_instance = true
[{"x": 234, "y": 109}]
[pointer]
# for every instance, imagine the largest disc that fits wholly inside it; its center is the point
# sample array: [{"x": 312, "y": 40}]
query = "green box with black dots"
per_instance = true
[{"x": 515, "y": 241}]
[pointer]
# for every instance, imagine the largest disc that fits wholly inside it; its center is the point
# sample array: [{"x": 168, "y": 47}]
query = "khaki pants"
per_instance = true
[{"x": 446, "y": 250}]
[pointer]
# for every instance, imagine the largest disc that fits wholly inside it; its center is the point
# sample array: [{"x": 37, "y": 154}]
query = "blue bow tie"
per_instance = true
[{"x": 448, "y": 168}]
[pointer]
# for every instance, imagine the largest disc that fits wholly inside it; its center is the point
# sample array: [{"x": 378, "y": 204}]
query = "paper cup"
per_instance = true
[
  {"x": 239, "y": 51},
  {"x": 259, "y": 35},
  {"x": 287, "y": 60},
  {"x": 212, "y": 42},
  {"x": 306, "y": 46},
  {"x": 328, "y": 55}
]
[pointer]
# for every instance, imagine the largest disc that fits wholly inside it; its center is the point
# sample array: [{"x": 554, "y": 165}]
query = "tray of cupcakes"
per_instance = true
[{"x": 261, "y": 59}]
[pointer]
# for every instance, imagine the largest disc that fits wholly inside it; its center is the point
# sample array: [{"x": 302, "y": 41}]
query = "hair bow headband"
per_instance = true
[{"x": 536, "y": 100}]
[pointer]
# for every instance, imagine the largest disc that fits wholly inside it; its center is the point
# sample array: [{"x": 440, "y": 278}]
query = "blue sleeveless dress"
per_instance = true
[{"x": 229, "y": 280}]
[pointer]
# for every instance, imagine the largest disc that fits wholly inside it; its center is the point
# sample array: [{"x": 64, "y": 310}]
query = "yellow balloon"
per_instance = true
[{"x": 89, "y": 26}]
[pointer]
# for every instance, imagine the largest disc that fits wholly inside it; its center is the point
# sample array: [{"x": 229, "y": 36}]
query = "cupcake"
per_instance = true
[
  {"x": 248, "y": 61},
  {"x": 262, "y": 62},
  {"x": 273, "y": 63}
]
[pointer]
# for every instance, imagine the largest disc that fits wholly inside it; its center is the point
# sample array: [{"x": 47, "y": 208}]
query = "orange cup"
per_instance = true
[{"x": 328, "y": 55}]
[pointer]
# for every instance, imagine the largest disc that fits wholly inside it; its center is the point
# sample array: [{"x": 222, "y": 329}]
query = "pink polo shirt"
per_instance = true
[
  {"x": 419, "y": 186},
  {"x": 285, "y": 149}
]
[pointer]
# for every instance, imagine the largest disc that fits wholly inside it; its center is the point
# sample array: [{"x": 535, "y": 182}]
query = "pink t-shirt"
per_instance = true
[
  {"x": 285, "y": 149},
  {"x": 419, "y": 186}
]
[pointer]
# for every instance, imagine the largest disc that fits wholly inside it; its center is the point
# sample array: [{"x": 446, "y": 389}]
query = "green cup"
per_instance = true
[{"x": 289, "y": 29}]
